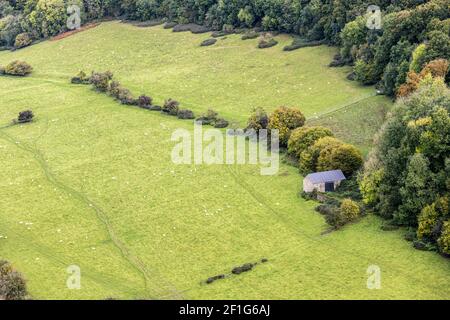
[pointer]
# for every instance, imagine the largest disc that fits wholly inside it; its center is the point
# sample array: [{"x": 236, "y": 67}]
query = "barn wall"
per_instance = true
[
  {"x": 308, "y": 186},
  {"x": 320, "y": 187}
]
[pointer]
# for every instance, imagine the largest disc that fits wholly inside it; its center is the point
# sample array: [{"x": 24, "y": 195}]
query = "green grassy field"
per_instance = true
[
  {"x": 91, "y": 183},
  {"x": 356, "y": 123}
]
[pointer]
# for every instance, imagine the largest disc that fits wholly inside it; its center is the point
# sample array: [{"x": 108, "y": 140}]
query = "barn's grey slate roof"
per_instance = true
[{"x": 325, "y": 176}]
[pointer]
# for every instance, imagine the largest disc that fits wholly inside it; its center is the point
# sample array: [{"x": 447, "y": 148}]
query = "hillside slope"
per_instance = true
[{"x": 91, "y": 183}]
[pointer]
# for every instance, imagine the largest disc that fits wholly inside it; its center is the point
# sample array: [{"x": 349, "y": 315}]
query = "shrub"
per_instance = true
[
  {"x": 218, "y": 34},
  {"x": 344, "y": 157},
  {"x": 410, "y": 235},
  {"x": 22, "y": 40},
  {"x": 169, "y": 25},
  {"x": 171, "y": 107},
  {"x": 369, "y": 184},
  {"x": 298, "y": 43},
  {"x": 258, "y": 120},
  {"x": 266, "y": 41},
  {"x": 285, "y": 120},
  {"x": 212, "y": 279},
  {"x": 365, "y": 72},
  {"x": 48, "y": 17},
  {"x": 325, "y": 209},
  {"x": 208, "y": 42},
  {"x": 194, "y": 28},
  {"x": 309, "y": 158},
  {"x": 18, "y": 68},
  {"x": 389, "y": 226},
  {"x": 125, "y": 96},
  {"x": 430, "y": 219},
  {"x": 335, "y": 218},
  {"x": 411, "y": 85},
  {"x": 349, "y": 188},
  {"x": 252, "y": 34},
  {"x": 244, "y": 268},
  {"x": 220, "y": 123},
  {"x": 25, "y": 116},
  {"x": 444, "y": 239},
  {"x": 418, "y": 56},
  {"x": 420, "y": 245},
  {"x": 209, "y": 118},
  {"x": 228, "y": 28},
  {"x": 155, "y": 108},
  {"x": 114, "y": 88},
  {"x": 185, "y": 114},
  {"x": 304, "y": 137},
  {"x": 437, "y": 68},
  {"x": 12, "y": 283},
  {"x": 100, "y": 80},
  {"x": 144, "y": 101},
  {"x": 80, "y": 78},
  {"x": 309, "y": 195},
  {"x": 350, "y": 209}
]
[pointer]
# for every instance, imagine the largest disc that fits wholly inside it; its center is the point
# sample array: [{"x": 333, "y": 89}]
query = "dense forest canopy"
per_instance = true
[{"x": 407, "y": 175}]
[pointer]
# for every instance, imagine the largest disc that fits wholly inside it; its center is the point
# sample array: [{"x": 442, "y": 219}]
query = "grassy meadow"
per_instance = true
[{"x": 91, "y": 183}]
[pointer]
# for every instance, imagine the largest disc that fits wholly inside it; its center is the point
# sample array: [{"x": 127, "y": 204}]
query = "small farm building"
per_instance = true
[{"x": 325, "y": 181}]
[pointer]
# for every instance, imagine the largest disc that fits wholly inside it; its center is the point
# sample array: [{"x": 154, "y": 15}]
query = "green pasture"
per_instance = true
[{"x": 91, "y": 182}]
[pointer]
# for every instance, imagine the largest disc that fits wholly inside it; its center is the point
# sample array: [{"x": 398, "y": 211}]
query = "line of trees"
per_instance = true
[{"x": 413, "y": 32}]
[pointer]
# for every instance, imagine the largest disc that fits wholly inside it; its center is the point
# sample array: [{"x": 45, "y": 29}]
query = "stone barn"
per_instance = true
[{"x": 325, "y": 181}]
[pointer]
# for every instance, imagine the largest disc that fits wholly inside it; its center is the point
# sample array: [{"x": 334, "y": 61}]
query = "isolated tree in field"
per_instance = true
[
  {"x": 285, "y": 120},
  {"x": 12, "y": 283},
  {"x": 18, "y": 68},
  {"x": 25, "y": 116},
  {"x": 304, "y": 137}
]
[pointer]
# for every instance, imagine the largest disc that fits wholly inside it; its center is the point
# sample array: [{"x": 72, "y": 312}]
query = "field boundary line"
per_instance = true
[{"x": 320, "y": 115}]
